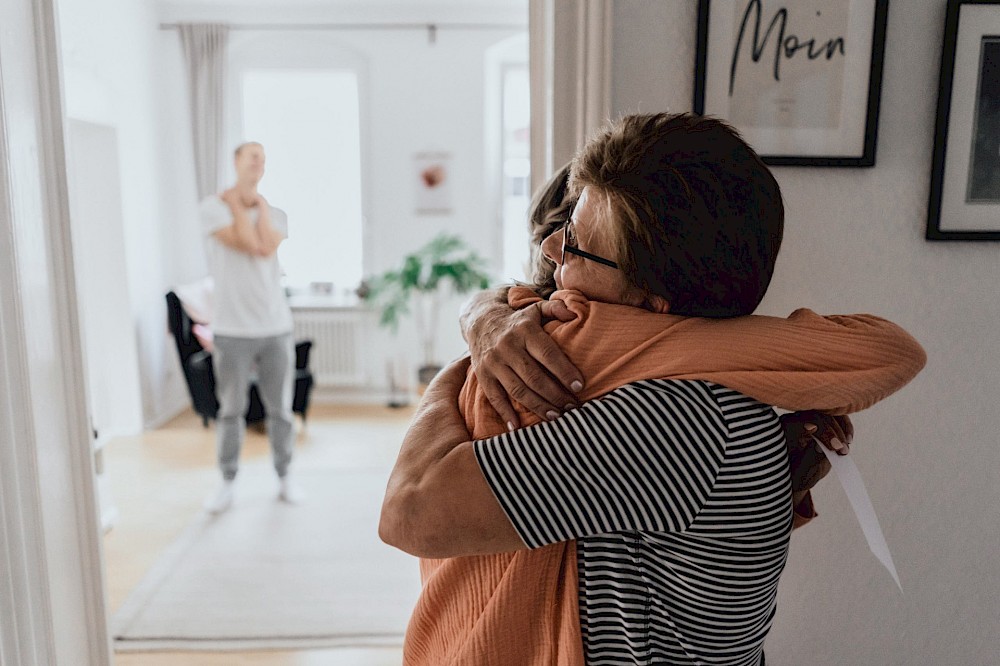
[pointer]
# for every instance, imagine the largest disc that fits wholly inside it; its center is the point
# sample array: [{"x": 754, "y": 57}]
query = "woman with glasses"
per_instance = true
[
  {"x": 649, "y": 524},
  {"x": 512, "y": 355}
]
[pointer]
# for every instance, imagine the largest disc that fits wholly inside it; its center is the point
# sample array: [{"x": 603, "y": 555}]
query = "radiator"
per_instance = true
[{"x": 336, "y": 334}]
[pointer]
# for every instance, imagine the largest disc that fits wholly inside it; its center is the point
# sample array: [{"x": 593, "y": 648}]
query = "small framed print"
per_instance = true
[
  {"x": 965, "y": 172},
  {"x": 800, "y": 80},
  {"x": 433, "y": 183}
]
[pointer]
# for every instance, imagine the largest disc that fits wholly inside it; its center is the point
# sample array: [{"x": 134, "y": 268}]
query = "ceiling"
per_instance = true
[
  {"x": 249, "y": 11},
  {"x": 352, "y": 4}
]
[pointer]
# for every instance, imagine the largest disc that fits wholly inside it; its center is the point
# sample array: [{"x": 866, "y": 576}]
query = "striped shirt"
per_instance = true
[{"x": 678, "y": 495}]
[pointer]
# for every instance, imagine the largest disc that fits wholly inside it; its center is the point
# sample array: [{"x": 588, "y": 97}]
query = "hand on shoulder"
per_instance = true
[{"x": 514, "y": 358}]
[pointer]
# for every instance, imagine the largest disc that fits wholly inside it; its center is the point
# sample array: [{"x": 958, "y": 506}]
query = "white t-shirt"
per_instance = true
[{"x": 249, "y": 300}]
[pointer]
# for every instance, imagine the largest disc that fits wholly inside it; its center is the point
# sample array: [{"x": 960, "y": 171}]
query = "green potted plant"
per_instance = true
[{"x": 418, "y": 285}]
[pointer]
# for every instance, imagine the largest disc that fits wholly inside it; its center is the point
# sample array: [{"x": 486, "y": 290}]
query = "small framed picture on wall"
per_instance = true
[
  {"x": 433, "y": 182},
  {"x": 800, "y": 80},
  {"x": 965, "y": 172}
]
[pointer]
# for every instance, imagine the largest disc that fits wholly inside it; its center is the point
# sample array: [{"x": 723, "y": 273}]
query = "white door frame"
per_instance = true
[
  {"x": 52, "y": 595},
  {"x": 570, "y": 46}
]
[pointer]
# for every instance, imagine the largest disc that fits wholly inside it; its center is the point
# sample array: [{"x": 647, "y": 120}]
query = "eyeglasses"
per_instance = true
[{"x": 569, "y": 245}]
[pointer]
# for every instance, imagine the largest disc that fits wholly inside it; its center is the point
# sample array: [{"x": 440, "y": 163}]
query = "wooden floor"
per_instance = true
[{"x": 159, "y": 479}]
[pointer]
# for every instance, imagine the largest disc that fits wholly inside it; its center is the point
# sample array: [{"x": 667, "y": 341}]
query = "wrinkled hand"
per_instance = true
[
  {"x": 807, "y": 462},
  {"x": 514, "y": 358}
]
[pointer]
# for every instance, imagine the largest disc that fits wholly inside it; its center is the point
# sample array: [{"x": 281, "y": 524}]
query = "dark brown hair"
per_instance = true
[
  {"x": 550, "y": 207},
  {"x": 698, "y": 217}
]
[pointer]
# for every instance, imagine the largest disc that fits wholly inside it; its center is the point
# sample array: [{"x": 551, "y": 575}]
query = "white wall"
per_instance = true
[
  {"x": 854, "y": 243},
  {"x": 109, "y": 78},
  {"x": 426, "y": 97}
]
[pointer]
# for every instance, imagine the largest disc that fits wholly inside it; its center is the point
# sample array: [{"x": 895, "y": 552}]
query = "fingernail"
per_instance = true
[
  {"x": 510, "y": 426},
  {"x": 576, "y": 386},
  {"x": 810, "y": 427},
  {"x": 570, "y": 407},
  {"x": 551, "y": 415},
  {"x": 836, "y": 444}
]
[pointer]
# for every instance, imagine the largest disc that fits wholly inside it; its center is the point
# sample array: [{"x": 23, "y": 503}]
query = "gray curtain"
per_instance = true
[{"x": 204, "y": 47}]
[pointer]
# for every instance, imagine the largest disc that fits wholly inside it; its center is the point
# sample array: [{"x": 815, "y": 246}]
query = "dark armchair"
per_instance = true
[{"x": 196, "y": 363}]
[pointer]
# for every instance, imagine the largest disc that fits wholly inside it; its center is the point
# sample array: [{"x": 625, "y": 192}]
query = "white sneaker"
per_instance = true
[
  {"x": 290, "y": 492},
  {"x": 221, "y": 500}
]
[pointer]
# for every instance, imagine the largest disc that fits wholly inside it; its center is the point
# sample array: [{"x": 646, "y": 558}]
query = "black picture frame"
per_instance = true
[
  {"x": 848, "y": 143},
  {"x": 958, "y": 143}
]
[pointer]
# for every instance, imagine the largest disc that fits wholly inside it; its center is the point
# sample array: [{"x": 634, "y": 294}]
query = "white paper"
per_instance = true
[{"x": 857, "y": 494}]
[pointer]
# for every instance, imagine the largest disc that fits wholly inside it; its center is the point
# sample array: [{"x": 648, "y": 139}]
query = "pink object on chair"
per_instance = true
[{"x": 204, "y": 336}]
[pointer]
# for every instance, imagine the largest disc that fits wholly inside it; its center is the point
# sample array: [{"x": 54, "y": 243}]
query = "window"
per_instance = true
[
  {"x": 516, "y": 155},
  {"x": 309, "y": 124},
  {"x": 508, "y": 152}
]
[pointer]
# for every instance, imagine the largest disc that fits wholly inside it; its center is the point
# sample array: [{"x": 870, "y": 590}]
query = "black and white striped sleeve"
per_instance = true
[{"x": 643, "y": 457}]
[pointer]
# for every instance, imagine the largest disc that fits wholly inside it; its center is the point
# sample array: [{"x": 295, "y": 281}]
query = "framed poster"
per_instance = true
[
  {"x": 432, "y": 182},
  {"x": 800, "y": 80},
  {"x": 965, "y": 172}
]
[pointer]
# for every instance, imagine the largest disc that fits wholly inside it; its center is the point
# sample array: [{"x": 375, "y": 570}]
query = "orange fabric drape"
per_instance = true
[{"x": 521, "y": 608}]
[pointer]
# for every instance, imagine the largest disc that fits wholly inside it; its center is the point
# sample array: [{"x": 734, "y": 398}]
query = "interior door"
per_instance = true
[{"x": 107, "y": 328}]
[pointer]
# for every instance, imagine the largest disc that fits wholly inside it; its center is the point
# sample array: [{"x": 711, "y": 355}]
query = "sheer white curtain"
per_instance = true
[{"x": 204, "y": 47}]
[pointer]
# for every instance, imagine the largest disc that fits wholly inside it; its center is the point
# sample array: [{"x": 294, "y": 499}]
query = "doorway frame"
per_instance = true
[{"x": 53, "y": 599}]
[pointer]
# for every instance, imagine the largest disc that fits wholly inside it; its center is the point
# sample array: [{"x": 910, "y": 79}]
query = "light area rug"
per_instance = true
[{"x": 267, "y": 575}]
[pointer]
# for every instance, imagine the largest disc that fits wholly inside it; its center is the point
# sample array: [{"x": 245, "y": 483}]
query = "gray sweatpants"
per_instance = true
[{"x": 234, "y": 361}]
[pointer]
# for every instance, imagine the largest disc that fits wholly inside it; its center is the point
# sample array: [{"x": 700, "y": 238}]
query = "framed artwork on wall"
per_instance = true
[
  {"x": 965, "y": 172},
  {"x": 800, "y": 80},
  {"x": 433, "y": 182}
]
